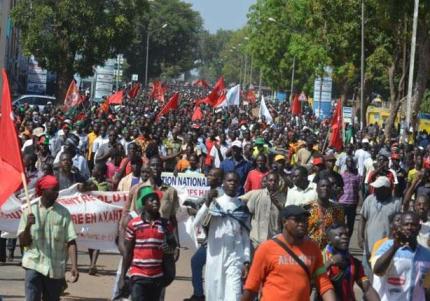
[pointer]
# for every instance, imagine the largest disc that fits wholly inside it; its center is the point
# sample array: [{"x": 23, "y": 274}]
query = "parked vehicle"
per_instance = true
[{"x": 34, "y": 100}]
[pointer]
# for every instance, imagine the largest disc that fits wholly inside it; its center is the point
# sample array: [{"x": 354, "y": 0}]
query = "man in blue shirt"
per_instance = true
[
  {"x": 401, "y": 265},
  {"x": 237, "y": 164}
]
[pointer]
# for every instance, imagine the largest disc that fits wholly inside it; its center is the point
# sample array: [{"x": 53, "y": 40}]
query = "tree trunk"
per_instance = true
[
  {"x": 63, "y": 81},
  {"x": 422, "y": 74}
]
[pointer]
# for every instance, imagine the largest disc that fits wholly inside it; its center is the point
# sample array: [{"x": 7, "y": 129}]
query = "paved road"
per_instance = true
[
  {"x": 93, "y": 288},
  {"x": 99, "y": 287}
]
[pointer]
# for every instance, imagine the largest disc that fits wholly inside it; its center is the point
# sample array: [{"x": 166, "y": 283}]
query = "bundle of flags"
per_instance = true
[
  {"x": 216, "y": 96},
  {"x": 335, "y": 140},
  {"x": 11, "y": 167}
]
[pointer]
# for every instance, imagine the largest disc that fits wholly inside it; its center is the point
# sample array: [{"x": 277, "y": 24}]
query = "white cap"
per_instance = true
[
  {"x": 237, "y": 143},
  {"x": 38, "y": 132},
  {"x": 381, "y": 182},
  {"x": 365, "y": 140}
]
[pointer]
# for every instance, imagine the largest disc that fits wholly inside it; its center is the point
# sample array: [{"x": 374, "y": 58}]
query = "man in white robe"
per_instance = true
[{"x": 228, "y": 248}]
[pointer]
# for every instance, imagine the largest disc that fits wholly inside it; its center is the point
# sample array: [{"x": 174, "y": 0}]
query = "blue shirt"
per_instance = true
[
  {"x": 404, "y": 278},
  {"x": 242, "y": 168}
]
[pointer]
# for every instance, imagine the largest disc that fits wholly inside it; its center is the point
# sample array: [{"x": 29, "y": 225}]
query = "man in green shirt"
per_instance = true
[{"x": 49, "y": 238}]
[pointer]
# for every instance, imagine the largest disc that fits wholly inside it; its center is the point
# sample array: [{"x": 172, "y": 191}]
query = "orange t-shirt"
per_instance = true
[{"x": 281, "y": 277}]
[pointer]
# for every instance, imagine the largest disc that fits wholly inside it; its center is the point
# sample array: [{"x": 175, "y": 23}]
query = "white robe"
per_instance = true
[{"x": 227, "y": 249}]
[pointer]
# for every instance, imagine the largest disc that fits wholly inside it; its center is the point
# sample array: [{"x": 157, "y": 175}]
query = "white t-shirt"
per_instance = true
[{"x": 214, "y": 153}]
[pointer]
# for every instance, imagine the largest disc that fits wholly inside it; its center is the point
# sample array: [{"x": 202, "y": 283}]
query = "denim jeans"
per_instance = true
[
  {"x": 143, "y": 289},
  {"x": 38, "y": 287},
  {"x": 197, "y": 263}
]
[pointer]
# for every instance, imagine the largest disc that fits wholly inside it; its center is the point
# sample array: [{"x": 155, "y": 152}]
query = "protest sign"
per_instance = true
[{"x": 190, "y": 186}]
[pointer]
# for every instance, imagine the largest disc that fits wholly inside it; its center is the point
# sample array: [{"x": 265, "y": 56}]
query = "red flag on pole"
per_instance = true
[
  {"x": 336, "y": 127},
  {"x": 201, "y": 83},
  {"x": 73, "y": 97},
  {"x": 250, "y": 96},
  {"x": 197, "y": 114},
  {"x": 11, "y": 167},
  {"x": 172, "y": 104},
  {"x": 134, "y": 90},
  {"x": 116, "y": 98},
  {"x": 158, "y": 91},
  {"x": 216, "y": 96},
  {"x": 296, "y": 108}
]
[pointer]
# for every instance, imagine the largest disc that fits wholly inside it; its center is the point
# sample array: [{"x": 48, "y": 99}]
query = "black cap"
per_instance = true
[{"x": 293, "y": 210}]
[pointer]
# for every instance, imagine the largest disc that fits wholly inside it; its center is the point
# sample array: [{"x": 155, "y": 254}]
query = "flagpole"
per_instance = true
[{"x": 27, "y": 196}]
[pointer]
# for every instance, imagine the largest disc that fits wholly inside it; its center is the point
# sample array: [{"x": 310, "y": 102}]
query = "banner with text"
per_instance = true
[{"x": 190, "y": 186}]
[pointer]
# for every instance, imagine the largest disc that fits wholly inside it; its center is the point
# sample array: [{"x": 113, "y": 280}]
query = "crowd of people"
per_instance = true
[{"x": 278, "y": 217}]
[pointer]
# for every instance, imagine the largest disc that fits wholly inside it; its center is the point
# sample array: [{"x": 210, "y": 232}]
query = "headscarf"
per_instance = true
[{"x": 46, "y": 182}]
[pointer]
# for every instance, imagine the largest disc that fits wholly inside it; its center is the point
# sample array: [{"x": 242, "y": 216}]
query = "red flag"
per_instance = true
[
  {"x": 201, "y": 83},
  {"x": 158, "y": 91},
  {"x": 11, "y": 166},
  {"x": 296, "y": 107},
  {"x": 197, "y": 114},
  {"x": 73, "y": 97},
  {"x": 336, "y": 127},
  {"x": 104, "y": 107},
  {"x": 250, "y": 96},
  {"x": 116, "y": 98},
  {"x": 134, "y": 90},
  {"x": 216, "y": 96},
  {"x": 172, "y": 104}
]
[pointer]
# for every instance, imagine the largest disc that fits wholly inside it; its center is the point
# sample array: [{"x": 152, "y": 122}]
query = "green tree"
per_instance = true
[
  {"x": 69, "y": 37},
  {"x": 173, "y": 48}
]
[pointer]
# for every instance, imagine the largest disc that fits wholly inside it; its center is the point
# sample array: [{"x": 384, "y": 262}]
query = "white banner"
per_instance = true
[
  {"x": 190, "y": 186},
  {"x": 96, "y": 214}
]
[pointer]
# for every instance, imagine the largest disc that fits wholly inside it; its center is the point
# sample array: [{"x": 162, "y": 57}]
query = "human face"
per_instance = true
[
  {"x": 151, "y": 204},
  {"x": 383, "y": 162},
  {"x": 410, "y": 226},
  {"x": 339, "y": 238},
  {"x": 350, "y": 164},
  {"x": 324, "y": 190},
  {"x": 330, "y": 164},
  {"x": 296, "y": 226},
  {"x": 193, "y": 162},
  {"x": 145, "y": 173},
  {"x": 422, "y": 207},
  {"x": 66, "y": 162},
  {"x": 298, "y": 179},
  {"x": 231, "y": 182},
  {"x": 272, "y": 182},
  {"x": 214, "y": 178},
  {"x": 49, "y": 196},
  {"x": 382, "y": 193},
  {"x": 156, "y": 167},
  {"x": 261, "y": 162},
  {"x": 112, "y": 137}
]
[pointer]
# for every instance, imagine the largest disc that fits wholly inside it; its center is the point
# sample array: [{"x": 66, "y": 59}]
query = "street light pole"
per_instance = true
[
  {"x": 147, "y": 58},
  {"x": 292, "y": 80},
  {"x": 5, "y": 9},
  {"x": 412, "y": 65},
  {"x": 362, "y": 69}
]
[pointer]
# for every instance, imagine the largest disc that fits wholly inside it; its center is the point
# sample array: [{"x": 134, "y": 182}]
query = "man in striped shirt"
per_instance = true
[{"x": 147, "y": 238}]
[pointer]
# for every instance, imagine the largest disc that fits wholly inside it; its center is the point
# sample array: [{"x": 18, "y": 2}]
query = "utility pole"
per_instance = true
[
  {"x": 292, "y": 80},
  {"x": 412, "y": 65},
  {"x": 5, "y": 9},
  {"x": 147, "y": 58},
  {"x": 259, "y": 84},
  {"x": 250, "y": 73},
  {"x": 362, "y": 69},
  {"x": 244, "y": 75}
]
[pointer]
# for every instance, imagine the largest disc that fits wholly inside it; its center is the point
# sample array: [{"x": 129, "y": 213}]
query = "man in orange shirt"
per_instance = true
[{"x": 282, "y": 276}]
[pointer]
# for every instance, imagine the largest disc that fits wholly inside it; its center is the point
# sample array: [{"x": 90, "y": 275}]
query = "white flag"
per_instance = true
[
  {"x": 233, "y": 96},
  {"x": 264, "y": 111}
]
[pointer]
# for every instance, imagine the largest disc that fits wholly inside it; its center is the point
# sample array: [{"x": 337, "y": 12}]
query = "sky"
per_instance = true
[{"x": 222, "y": 14}]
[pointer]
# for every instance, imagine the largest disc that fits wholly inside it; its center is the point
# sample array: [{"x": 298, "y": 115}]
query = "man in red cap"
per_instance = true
[{"x": 49, "y": 238}]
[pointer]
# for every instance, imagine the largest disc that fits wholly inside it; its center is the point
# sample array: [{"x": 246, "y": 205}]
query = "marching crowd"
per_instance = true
[{"x": 278, "y": 217}]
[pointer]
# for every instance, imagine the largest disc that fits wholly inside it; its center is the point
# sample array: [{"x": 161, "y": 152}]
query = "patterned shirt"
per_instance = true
[
  {"x": 321, "y": 218},
  {"x": 53, "y": 229},
  {"x": 147, "y": 252},
  {"x": 351, "y": 187}
]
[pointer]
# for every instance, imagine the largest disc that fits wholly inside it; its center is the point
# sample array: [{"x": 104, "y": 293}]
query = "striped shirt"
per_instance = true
[{"x": 147, "y": 252}]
